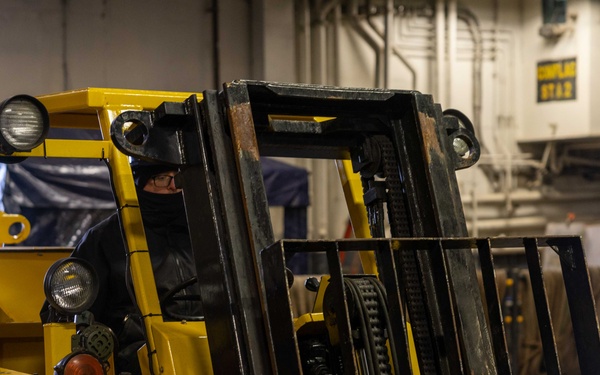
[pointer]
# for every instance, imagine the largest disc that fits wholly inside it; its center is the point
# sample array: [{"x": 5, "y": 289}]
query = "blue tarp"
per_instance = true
[{"x": 63, "y": 199}]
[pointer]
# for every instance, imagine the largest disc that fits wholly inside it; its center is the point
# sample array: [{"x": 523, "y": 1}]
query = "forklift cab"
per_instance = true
[{"x": 69, "y": 283}]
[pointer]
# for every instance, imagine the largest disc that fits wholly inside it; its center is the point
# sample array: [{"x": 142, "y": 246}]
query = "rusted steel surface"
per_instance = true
[{"x": 402, "y": 144}]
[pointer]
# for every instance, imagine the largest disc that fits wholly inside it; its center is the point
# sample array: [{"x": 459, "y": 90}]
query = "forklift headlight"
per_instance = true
[
  {"x": 71, "y": 285},
  {"x": 24, "y": 124}
]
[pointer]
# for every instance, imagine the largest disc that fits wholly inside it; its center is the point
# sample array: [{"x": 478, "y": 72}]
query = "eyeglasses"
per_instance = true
[{"x": 162, "y": 180}]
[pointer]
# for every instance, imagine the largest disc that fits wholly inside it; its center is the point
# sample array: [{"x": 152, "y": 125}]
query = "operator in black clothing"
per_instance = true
[{"x": 167, "y": 236}]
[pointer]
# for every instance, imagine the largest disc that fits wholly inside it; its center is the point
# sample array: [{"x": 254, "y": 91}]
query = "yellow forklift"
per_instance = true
[{"x": 416, "y": 308}]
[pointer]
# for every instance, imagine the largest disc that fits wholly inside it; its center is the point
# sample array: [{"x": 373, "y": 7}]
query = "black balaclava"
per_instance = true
[
  {"x": 157, "y": 209},
  {"x": 162, "y": 209}
]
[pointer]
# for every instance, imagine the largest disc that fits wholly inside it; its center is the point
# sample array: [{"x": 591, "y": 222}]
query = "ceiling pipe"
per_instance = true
[
  {"x": 64, "y": 4},
  {"x": 440, "y": 44},
  {"x": 530, "y": 197},
  {"x": 451, "y": 22},
  {"x": 472, "y": 22},
  {"x": 303, "y": 37},
  {"x": 337, "y": 25},
  {"x": 390, "y": 45},
  {"x": 388, "y": 42},
  {"x": 519, "y": 223},
  {"x": 333, "y": 73},
  {"x": 376, "y": 44},
  {"x": 326, "y": 9},
  {"x": 321, "y": 168},
  {"x": 322, "y": 12}
]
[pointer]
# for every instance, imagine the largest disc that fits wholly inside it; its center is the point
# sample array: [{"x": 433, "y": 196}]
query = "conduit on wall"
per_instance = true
[
  {"x": 317, "y": 19},
  {"x": 317, "y": 45},
  {"x": 383, "y": 26},
  {"x": 64, "y": 6}
]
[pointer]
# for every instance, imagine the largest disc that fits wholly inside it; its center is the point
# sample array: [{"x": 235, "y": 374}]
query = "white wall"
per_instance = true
[
  {"x": 560, "y": 119},
  {"x": 52, "y": 45}
]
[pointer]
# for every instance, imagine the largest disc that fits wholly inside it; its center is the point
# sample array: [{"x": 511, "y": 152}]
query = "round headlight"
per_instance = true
[
  {"x": 24, "y": 124},
  {"x": 71, "y": 285}
]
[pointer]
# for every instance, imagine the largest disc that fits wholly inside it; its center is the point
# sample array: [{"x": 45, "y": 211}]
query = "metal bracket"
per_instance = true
[{"x": 11, "y": 223}]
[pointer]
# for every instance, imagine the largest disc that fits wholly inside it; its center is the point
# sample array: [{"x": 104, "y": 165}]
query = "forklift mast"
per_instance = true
[{"x": 406, "y": 151}]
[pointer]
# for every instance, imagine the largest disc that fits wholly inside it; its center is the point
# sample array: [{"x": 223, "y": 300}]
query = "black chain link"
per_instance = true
[{"x": 399, "y": 227}]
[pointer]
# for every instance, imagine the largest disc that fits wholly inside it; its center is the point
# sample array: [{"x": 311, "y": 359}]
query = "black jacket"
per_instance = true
[
  {"x": 102, "y": 246},
  {"x": 170, "y": 251}
]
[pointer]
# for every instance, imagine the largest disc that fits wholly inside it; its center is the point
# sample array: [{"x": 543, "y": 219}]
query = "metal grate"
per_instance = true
[{"x": 574, "y": 272}]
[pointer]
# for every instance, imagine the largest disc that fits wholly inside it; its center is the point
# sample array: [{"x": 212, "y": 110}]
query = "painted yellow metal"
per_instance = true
[
  {"x": 21, "y": 298},
  {"x": 142, "y": 355},
  {"x": 5, "y": 371},
  {"x": 93, "y": 99},
  {"x": 109, "y": 104},
  {"x": 96, "y": 108},
  {"x": 187, "y": 346},
  {"x": 310, "y": 324},
  {"x": 8, "y": 222},
  {"x": 21, "y": 276},
  {"x": 69, "y": 148},
  {"x": 22, "y": 347},
  {"x": 323, "y": 284},
  {"x": 77, "y": 148},
  {"x": 57, "y": 343},
  {"x": 308, "y": 318},
  {"x": 352, "y": 188}
]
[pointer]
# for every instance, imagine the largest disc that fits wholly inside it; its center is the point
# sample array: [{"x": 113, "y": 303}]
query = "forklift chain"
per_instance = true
[
  {"x": 368, "y": 295},
  {"x": 399, "y": 227}
]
